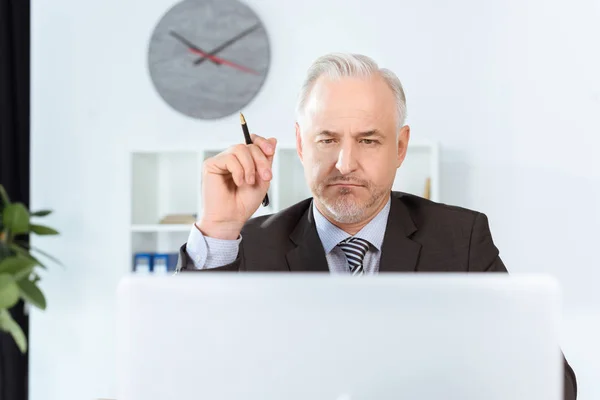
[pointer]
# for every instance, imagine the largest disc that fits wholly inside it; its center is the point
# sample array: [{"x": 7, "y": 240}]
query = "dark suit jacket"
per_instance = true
[{"x": 421, "y": 236}]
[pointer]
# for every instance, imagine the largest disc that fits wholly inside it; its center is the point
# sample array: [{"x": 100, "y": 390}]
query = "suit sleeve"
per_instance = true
[
  {"x": 483, "y": 254},
  {"x": 484, "y": 257}
]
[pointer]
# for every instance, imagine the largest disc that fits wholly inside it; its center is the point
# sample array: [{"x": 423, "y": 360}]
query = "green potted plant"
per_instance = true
[{"x": 18, "y": 275}]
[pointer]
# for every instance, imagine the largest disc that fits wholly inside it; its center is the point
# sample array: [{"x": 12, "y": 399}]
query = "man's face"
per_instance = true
[{"x": 350, "y": 145}]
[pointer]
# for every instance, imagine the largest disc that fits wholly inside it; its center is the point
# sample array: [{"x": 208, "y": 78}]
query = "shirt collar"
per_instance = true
[{"x": 331, "y": 235}]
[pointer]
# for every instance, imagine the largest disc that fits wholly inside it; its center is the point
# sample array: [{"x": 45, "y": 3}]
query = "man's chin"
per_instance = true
[
  {"x": 340, "y": 190},
  {"x": 346, "y": 216},
  {"x": 347, "y": 199},
  {"x": 345, "y": 209}
]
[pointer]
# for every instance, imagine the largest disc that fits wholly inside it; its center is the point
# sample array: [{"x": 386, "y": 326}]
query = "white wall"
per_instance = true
[{"x": 510, "y": 89}]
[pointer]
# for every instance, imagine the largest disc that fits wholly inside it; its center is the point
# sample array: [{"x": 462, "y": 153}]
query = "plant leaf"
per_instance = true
[
  {"x": 17, "y": 265},
  {"x": 4, "y": 200},
  {"x": 8, "y": 324},
  {"x": 4, "y": 250},
  {"x": 16, "y": 218},
  {"x": 48, "y": 256},
  {"x": 41, "y": 213},
  {"x": 9, "y": 291},
  {"x": 23, "y": 252},
  {"x": 42, "y": 252},
  {"x": 42, "y": 230},
  {"x": 32, "y": 294},
  {"x": 24, "y": 274}
]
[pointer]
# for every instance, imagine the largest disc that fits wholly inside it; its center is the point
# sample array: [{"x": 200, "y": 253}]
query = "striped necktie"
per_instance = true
[{"x": 355, "y": 250}]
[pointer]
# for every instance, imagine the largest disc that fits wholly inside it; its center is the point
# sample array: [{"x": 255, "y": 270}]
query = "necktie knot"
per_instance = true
[{"x": 355, "y": 249}]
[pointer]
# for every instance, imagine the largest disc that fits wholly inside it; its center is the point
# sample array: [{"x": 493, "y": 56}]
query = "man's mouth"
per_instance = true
[{"x": 346, "y": 184}]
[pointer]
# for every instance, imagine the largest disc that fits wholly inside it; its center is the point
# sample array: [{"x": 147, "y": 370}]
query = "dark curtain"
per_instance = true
[{"x": 14, "y": 162}]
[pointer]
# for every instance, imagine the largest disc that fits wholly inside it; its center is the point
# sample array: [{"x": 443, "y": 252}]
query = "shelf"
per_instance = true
[
  {"x": 420, "y": 164},
  {"x": 158, "y": 241},
  {"x": 290, "y": 185},
  {"x": 161, "y": 228},
  {"x": 163, "y": 183}
]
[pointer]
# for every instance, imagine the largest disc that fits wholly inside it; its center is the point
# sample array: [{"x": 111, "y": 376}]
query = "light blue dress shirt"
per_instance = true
[{"x": 206, "y": 252}]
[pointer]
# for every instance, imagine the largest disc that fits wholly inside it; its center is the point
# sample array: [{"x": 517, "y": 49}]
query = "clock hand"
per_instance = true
[
  {"x": 227, "y": 43},
  {"x": 217, "y": 60},
  {"x": 223, "y": 61},
  {"x": 191, "y": 46}
]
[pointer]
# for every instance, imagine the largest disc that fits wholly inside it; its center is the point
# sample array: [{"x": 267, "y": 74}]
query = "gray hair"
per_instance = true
[{"x": 339, "y": 65}]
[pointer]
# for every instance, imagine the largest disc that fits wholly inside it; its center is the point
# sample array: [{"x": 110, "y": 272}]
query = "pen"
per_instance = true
[{"x": 248, "y": 140}]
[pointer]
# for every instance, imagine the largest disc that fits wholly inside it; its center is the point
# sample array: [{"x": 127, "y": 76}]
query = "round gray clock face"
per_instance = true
[{"x": 208, "y": 58}]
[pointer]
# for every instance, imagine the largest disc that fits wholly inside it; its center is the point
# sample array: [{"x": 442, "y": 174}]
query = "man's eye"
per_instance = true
[
  {"x": 326, "y": 141},
  {"x": 368, "y": 141}
]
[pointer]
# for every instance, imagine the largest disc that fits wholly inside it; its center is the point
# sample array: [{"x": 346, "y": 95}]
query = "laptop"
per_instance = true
[{"x": 264, "y": 336}]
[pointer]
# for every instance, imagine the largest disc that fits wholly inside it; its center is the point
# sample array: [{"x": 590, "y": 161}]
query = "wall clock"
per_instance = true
[{"x": 208, "y": 58}]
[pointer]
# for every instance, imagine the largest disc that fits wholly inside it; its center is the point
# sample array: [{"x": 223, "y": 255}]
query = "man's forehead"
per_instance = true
[
  {"x": 342, "y": 119},
  {"x": 349, "y": 98},
  {"x": 326, "y": 89}
]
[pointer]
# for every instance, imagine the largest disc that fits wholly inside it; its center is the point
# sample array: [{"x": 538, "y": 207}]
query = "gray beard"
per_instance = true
[{"x": 343, "y": 209}]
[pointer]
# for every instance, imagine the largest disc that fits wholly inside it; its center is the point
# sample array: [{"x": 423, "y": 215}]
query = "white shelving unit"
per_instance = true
[
  {"x": 160, "y": 228},
  {"x": 169, "y": 183},
  {"x": 420, "y": 164}
]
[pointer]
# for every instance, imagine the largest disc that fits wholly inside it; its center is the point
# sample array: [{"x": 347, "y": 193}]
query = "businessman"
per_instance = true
[{"x": 351, "y": 138}]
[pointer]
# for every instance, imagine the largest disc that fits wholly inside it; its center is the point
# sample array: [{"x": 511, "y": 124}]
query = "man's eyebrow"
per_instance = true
[
  {"x": 369, "y": 133},
  {"x": 372, "y": 132},
  {"x": 326, "y": 132}
]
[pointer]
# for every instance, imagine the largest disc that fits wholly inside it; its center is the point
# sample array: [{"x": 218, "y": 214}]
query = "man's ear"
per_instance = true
[
  {"x": 298, "y": 141},
  {"x": 403, "y": 139}
]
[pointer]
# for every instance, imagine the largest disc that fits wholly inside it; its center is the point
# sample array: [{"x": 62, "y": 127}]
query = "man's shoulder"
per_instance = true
[
  {"x": 281, "y": 222},
  {"x": 422, "y": 205},
  {"x": 425, "y": 212}
]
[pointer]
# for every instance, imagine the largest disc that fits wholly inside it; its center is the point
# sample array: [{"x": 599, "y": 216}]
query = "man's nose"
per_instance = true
[{"x": 346, "y": 162}]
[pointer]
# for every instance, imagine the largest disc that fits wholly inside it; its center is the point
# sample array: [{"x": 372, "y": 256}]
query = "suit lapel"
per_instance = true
[
  {"x": 308, "y": 255},
  {"x": 399, "y": 253}
]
